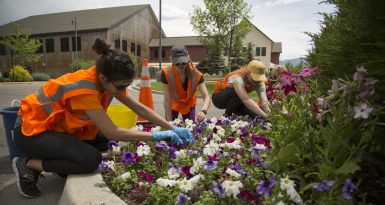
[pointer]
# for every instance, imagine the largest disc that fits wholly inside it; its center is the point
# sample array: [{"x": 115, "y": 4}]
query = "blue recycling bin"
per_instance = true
[{"x": 9, "y": 118}]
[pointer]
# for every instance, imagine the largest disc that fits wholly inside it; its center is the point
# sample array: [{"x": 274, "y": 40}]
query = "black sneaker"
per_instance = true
[
  {"x": 60, "y": 176},
  {"x": 26, "y": 177}
]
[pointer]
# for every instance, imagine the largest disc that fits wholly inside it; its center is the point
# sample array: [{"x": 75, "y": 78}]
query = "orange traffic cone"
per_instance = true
[{"x": 145, "y": 92}]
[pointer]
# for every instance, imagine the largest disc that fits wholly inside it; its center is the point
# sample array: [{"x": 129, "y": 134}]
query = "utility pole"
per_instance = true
[
  {"x": 160, "y": 35},
  {"x": 76, "y": 43}
]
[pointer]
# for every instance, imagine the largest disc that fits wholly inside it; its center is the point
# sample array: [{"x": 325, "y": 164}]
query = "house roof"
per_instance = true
[
  {"x": 86, "y": 20},
  {"x": 171, "y": 41},
  {"x": 277, "y": 48}
]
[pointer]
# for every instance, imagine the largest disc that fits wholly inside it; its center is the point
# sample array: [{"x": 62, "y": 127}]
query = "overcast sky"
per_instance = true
[{"x": 281, "y": 20}]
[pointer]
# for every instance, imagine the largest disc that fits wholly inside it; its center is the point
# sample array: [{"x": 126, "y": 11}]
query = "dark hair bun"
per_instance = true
[{"x": 101, "y": 46}]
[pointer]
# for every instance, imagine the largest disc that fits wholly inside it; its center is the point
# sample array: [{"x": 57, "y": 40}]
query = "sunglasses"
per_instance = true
[
  {"x": 178, "y": 64},
  {"x": 119, "y": 88}
]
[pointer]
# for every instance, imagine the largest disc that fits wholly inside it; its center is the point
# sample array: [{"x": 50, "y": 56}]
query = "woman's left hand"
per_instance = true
[{"x": 201, "y": 116}]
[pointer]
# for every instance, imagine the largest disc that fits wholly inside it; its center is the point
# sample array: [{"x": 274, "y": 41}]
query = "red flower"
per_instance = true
[
  {"x": 230, "y": 140},
  {"x": 249, "y": 195},
  {"x": 315, "y": 108}
]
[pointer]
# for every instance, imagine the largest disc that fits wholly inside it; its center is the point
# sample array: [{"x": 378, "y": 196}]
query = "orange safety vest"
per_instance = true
[
  {"x": 46, "y": 109},
  {"x": 222, "y": 83},
  {"x": 182, "y": 101}
]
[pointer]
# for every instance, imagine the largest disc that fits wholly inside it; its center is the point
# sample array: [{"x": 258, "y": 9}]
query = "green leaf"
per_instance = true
[
  {"x": 287, "y": 154},
  {"x": 347, "y": 168}
]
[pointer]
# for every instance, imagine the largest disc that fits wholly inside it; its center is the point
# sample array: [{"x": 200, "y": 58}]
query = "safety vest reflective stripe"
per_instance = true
[
  {"x": 172, "y": 83},
  {"x": 63, "y": 89}
]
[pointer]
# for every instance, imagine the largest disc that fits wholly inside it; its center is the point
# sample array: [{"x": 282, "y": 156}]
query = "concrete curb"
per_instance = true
[{"x": 88, "y": 189}]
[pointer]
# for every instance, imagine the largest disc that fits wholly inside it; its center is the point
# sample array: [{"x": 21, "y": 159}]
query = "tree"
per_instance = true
[
  {"x": 352, "y": 36},
  {"x": 23, "y": 47},
  {"x": 220, "y": 23}
]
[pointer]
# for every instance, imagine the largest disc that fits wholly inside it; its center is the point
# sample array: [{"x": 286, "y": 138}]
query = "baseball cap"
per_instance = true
[
  {"x": 179, "y": 54},
  {"x": 257, "y": 70}
]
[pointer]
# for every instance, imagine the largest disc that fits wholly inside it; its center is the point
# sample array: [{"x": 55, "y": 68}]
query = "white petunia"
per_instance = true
[
  {"x": 211, "y": 126},
  {"x": 195, "y": 179},
  {"x": 234, "y": 145},
  {"x": 156, "y": 129},
  {"x": 125, "y": 175},
  {"x": 172, "y": 174},
  {"x": 214, "y": 120},
  {"x": 294, "y": 196},
  {"x": 216, "y": 137},
  {"x": 286, "y": 183},
  {"x": 211, "y": 148},
  {"x": 260, "y": 147},
  {"x": 280, "y": 203},
  {"x": 232, "y": 188},
  {"x": 123, "y": 144},
  {"x": 115, "y": 149},
  {"x": 185, "y": 185},
  {"x": 181, "y": 154},
  {"x": 232, "y": 172},
  {"x": 137, "y": 128},
  {"x": 143, "y": 150},
  {"x": 165, "y": 182}
]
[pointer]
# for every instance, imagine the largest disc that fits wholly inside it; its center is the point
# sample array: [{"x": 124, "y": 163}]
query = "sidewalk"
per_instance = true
[{"x": 78, "y": 189}]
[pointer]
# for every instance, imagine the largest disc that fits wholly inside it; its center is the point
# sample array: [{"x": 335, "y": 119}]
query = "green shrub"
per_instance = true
[
  {"x": 83, "y": 64},
  {"x": 19, "y": 74},
  {"x": 40, "y": 77},
  {"x": 2, "y": 79}
]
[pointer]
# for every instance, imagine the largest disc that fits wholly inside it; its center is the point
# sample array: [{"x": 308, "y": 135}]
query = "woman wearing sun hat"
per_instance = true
[
  {"x": 180, "y": 83},
  {"x": 231, "y": 92}
]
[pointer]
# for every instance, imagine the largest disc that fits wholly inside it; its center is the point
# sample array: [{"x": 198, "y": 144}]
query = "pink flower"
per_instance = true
[
  {"x": 306, "y": 72},
  {"x": 285, "y": 79}
]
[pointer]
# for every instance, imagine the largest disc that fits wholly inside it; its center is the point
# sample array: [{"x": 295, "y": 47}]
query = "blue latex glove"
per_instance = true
[
  {"x": 168, "y": 136},
  {"x": 183, "y": 133}
]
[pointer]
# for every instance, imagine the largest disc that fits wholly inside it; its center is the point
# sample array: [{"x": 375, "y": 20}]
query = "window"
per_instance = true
[
  {"x": 155, "y": 53},
  {"x": 40, "y": 50},
  {"x": 258, "y": 51},
  {"x": 117, "y": 43},
  {"x": 2, "y": 49},
  {"x": 79, "y": 43},
  {"x": 138, "y": 50},
  {"x": 132, "y": 47},
  {"x": 163, "y": 54},
  {"x": 49, "y": 45},
  {"x": 124, "y": 45},
  {"x": 64, "y": 44},
  {"x": 263, "y": 51}
]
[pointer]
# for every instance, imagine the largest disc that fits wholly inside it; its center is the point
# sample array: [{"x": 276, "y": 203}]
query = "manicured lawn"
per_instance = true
[{"x": 210, "y": 87}]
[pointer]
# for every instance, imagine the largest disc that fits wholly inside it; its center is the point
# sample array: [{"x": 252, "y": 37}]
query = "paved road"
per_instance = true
[{"x": 12, "y": 91}]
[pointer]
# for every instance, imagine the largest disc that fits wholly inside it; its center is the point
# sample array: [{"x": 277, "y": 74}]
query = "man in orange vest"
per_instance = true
[
  {"x": 231, "y": 92},
  {"x": 62, "y": 127},
  {"x": 181, "y": 81}
]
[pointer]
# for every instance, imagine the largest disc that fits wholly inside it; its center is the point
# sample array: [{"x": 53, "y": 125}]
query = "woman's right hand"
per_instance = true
[{"x": 168, "y": 136}]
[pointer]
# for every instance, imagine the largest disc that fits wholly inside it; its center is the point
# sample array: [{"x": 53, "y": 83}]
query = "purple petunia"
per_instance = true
[
  {"x": 182, "y": 199},
  {"x": 239, "y": 170},
  {"x": 264, "y": 187},
  {"x": 210, "y": 165},
  {"x": 324, "y": 186},
  {"x": 110, "y": 143},
  {"x": 191, "y": 152},
  {"x": 163, "y": 146},
  {"x": 219, "y": 189},
  {"x": 175, "y": 168},
  {"x": 171, "y": 153},
  {"x": 103, "y": 167},
  {"x": 128, "y": 157},
  {"x": 348, "y": 189},
  {"x": 260, "y": 162}
]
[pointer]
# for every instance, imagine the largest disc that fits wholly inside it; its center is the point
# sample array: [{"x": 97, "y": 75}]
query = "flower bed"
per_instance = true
[{"x": 308, "y": 153}]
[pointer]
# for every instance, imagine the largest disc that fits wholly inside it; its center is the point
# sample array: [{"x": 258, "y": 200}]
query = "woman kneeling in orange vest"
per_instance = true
[
  {"x": 63, "y": 126},
  {"x": 180, "y": 83},
  {"x": 231, "y": 92}
]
